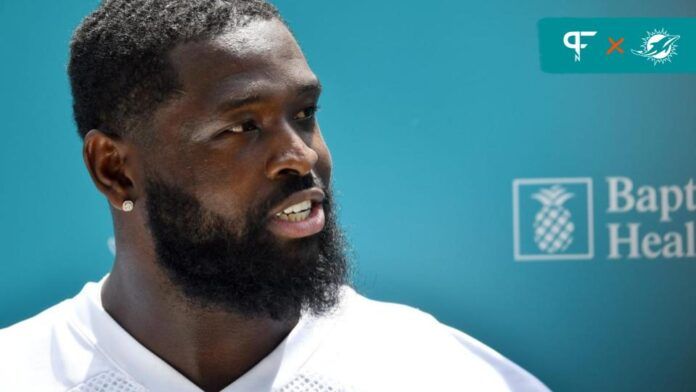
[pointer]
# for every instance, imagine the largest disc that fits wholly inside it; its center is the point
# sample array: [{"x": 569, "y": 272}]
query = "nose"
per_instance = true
[{"x": 290, "y": 154}]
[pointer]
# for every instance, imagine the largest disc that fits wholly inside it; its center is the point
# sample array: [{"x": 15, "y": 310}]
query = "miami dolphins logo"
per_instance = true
[{"x": 659, "y": 47}]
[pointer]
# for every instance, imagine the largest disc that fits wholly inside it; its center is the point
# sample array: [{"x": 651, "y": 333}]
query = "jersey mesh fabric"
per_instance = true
[
  {"x": 113, "y": 381},
  {"x": 312, "y": 383},
  {"x": 110, "y": 381}
]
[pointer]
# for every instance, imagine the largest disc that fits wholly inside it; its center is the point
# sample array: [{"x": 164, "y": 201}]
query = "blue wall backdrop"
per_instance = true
[{"x": 432, "y": 110}]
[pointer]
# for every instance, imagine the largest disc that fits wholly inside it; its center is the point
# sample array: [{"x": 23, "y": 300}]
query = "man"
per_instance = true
[{"x": 199, "y": 127}]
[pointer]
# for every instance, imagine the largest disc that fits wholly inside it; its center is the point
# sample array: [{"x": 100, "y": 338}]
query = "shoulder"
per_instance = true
[
  {"x": 398, "y": 347},
  {"x": 26, "y": 357},
  {"x": 32, "y": 335},
  {"x": 47, "y": 352}
]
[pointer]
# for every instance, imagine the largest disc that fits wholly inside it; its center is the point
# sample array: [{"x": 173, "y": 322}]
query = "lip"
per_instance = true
[
  {"x": 313, "y": 224},
  {"x": 315, "y": 195}
]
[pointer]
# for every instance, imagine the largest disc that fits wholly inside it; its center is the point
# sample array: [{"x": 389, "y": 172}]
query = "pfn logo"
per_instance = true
[
  {"x": 576, "y": 44},
  {"x": 552, "y": 219}
]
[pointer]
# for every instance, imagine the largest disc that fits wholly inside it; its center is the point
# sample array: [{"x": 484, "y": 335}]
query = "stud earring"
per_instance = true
[{"x": 127, "y": 206}]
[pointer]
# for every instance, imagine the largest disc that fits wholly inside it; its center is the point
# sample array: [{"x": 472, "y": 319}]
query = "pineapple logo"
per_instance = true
[
  {"x": 553, "y": 219},
  {"x": 553, "y": 229}
]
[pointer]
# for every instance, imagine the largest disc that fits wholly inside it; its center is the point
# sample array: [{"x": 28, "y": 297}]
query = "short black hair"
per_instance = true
[{"x": 119, "y": 68}]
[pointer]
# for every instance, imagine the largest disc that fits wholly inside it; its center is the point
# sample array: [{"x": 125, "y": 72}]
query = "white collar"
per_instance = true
[{"x": 132, "y": 358}]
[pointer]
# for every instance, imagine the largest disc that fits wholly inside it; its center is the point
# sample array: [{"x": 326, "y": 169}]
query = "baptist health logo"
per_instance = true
[{"x": 553, "y": 219}]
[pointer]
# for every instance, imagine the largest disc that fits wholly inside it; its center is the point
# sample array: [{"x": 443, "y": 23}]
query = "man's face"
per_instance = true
[{"x": 237, "y": 148}]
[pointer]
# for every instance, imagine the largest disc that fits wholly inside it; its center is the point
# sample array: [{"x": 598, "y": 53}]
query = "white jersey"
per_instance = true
[{"x": 363, "y": 346}]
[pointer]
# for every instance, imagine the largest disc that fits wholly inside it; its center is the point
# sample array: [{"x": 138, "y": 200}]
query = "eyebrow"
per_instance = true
[{"x": 236, "y": 103}]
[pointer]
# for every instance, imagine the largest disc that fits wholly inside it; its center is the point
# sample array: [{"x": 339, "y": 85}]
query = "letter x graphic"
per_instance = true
[{"x": 615, "y": 45}]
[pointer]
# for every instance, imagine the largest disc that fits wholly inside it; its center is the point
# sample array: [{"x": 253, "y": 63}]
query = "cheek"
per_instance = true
[
  {"x": 232, "y": 194},
  {"x": 222, "y": 180},
  {"x": 224, "y": 193},
  {"x": 230, "y": 205}
]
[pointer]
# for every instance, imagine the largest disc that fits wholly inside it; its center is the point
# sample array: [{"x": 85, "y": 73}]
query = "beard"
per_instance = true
[{"x": 240, "y": 267}]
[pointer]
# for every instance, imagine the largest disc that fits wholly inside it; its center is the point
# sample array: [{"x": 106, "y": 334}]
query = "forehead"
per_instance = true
[{"x": 261, "y": 55}]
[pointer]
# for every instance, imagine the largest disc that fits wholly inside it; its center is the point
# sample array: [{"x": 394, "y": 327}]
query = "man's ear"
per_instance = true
[{"x": 110, "y": 161}]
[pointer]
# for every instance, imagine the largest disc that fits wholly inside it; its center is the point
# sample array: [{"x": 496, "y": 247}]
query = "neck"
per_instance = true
[{"x": 210, "y": 347}]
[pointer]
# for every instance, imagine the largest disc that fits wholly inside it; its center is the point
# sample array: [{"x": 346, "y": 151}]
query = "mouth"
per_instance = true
[{"x": 300, "y": 215}]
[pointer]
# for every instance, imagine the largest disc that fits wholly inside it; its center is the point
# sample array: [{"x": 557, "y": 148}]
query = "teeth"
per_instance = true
[
  {"x": 294, "y": 217},
  {"x": 305, "y": 205},
  {"x": 297, "y": 212}
]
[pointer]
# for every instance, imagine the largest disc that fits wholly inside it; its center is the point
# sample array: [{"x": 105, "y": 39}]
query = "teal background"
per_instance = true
[
  {"x": 430, "y": 110},
  {"x": 556, "y": 57}
]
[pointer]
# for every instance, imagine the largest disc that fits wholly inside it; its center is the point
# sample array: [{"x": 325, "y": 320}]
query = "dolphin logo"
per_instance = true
[{"x": 659, "y": 46}]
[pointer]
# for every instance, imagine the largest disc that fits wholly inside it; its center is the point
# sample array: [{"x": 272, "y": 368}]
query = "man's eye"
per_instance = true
[
  {"x": 243, "y": 127},
  {"x": 306, "y": 113}
]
